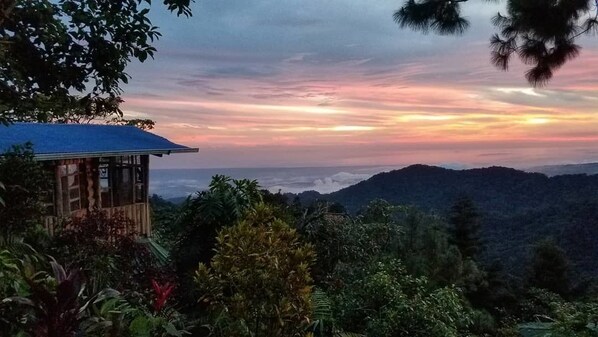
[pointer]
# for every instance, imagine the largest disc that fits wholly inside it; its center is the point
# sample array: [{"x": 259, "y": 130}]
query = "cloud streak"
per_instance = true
[{"x": 300, "y": 83}]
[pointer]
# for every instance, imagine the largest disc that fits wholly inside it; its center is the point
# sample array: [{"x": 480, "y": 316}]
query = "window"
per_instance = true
[
  {"x": 122, "y": 181},
  {"x": 105, "y": 190},
  {"x": 70, "y": 185}
]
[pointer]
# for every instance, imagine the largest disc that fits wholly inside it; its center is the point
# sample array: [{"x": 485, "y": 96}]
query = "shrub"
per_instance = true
[
  {"x": 381, "y": 299},
  {"x": 25, "y": 184},
  {"x": 259, "y": 281},
  {"x": 55, "y": 304},
  {"x": 104, "y": 248}
]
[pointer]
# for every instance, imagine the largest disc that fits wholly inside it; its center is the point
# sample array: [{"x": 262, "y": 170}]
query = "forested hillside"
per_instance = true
[
  {"x": 517, "y": 207},
  {"x": 237, "y": 261}
]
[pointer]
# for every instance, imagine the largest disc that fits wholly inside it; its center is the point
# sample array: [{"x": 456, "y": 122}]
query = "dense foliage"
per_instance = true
[
  {"x": 249, "y": 263},
  {"x": 514, "y": 208},
  {"x": 50, "y": 301},
  {"x": 464, "y": 222},
  {"x": 549, "y": 268},
  {"x": 382, "y": 299},
  {"x": 105, "y": 250},
  {"x": 25, "y": 185},
  {"x": 65, "y": 60},
  {"x": 223, "y": 204},
  {"x": 258, "y": 282}
]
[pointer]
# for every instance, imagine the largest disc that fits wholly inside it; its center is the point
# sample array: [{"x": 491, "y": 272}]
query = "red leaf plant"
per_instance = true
[{"x": 162, "y": 294}]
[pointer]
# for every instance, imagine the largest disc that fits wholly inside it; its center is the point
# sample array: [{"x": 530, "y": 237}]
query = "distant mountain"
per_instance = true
[
  {"x": 555, "y": 170},
  {"x": 518, "y": 207},
  {"x": 494, "y": 189}
]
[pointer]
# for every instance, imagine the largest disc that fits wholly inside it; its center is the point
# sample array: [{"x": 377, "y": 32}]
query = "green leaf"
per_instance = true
[
  {"x": 140, "y": 327},
  {"x": 172, "y": 330}
]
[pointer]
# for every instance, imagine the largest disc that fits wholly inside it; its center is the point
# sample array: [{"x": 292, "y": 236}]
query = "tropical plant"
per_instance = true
[
  {"x": 40, "y": 304},
  {"x": 322, "y": 321},
  {"x": 55, "y": 303},
  {"x": 574, "y": 319},
  {"x": 105, "y": 249},
  {"x": 112, "y": 315},
  {"x": 2, "y": 189},
  {"x": 339, "y": 237},
  {"x": 258, "y": 282},
  {"x": 538, "y": 305},
  {"x": 166, "y": 223},
  {"x": 12, "y": 283},
  {"x": 224, "y": 204},
  {"x": 162, "y": 293},
  {"x": 25, "y": 186},
  {"x": 382, "y": 299}
]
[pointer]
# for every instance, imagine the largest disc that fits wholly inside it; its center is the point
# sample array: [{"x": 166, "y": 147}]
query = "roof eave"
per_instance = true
[{"x": 74, "y": 155}]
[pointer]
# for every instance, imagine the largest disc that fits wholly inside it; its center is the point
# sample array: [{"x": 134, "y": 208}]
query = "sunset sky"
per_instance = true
[{"x": 281, "y": 83}]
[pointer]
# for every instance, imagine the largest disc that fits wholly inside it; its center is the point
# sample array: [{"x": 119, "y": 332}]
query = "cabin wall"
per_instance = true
[
  {"x": 76, "y": 196},
  {"x": 139, "y": 213}
]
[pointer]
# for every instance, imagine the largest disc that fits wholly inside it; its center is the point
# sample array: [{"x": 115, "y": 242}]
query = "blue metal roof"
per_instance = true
[{"x": 61, "y": 141}]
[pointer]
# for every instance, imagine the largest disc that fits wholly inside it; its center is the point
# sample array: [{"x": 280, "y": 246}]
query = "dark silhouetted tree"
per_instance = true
[
  {"x": 224, "y": 204},
  {"x": 549, "y": 268},
  {"x": 541, "y": 33},
  {"x": 26, "y": 187},
  {"x": 65, "y": 60},
  {"x": 464, "y": 221}
]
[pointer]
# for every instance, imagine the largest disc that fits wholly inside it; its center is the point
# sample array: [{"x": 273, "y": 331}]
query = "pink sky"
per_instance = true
[{"x": 311, "y": 87}]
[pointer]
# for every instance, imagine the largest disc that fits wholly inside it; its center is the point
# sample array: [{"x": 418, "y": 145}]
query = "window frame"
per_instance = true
[
  {"x": 70, "y": 193},
  {"x": 123, "y": 180}
]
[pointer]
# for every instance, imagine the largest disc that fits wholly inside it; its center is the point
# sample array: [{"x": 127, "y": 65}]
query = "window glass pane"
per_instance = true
[
  {"x": 73, "y": 181},
  {"x": 139, "y": 197},
  {"x": 74, "y": 193},
  {"x": 75, "y": 205},
  {"x": 71, "y": 187},
  {"x": 126, "y": 175},
  {"x": 125, "y": 186},
  {"x": 138, "y": 174},
  {"x": 104, "y": 171},
  {"x": 72, "y": 169}
]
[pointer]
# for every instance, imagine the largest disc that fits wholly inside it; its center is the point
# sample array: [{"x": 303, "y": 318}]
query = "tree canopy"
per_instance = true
[
  {"x": 464, "y": 223},
  {"x": 65, "y": 60},
  {"x": 541, "y": 33},
  {"x": 549, "y": 268}
]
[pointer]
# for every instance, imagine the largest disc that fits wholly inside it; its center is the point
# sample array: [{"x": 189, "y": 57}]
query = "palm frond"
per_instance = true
[
  {"x": 322, "y": 305},
  {"x": 441, "y": 16},
  {"x": 347, "y": 334},
  {"x": 539, "y": 75}
]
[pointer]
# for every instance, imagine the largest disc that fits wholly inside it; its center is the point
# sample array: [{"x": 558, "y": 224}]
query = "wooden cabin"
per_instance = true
[{"x": 94, "y": 167}]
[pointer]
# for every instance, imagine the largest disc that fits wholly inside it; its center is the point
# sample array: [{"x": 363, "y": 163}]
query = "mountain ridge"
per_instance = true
[
  {"x": 517, "y": 207},
  {"x": 475, "y": 182},
  {"x": 566, "y": 169}
]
